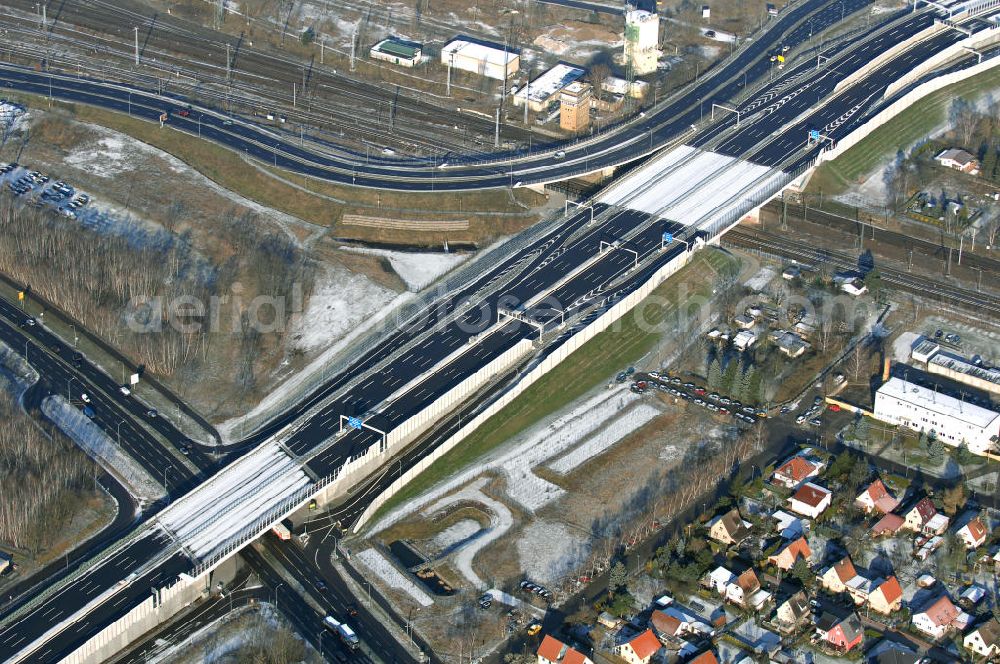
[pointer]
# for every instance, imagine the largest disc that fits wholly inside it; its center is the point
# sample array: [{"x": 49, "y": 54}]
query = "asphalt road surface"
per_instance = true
[
  {"x": 617, "y": 145},
  {"x": 595, "y": 285}
]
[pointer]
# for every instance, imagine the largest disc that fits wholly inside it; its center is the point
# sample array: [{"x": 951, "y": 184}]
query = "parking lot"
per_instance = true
[
  {"x": 696, "y": 394},
  {"x": 37, "y": 189}
]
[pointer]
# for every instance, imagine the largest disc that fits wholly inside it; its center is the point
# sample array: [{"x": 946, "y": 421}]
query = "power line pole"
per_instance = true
[
  {"x": 229, "y": 61},
  {"x": 354, "y": 40},
  {"x": 137, "y": 46}
]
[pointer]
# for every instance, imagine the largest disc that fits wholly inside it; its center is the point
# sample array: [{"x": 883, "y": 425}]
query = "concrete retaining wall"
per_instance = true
[
  {"x": 143, "y": 618},
  {"x": 602, "y": 323}
]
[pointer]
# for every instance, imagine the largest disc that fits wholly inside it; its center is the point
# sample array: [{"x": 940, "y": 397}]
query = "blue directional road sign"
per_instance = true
[
  {"x": 354, "y": 422},
  {"x": 814, "y": 134},
  {"x": 668, "y": 237}
]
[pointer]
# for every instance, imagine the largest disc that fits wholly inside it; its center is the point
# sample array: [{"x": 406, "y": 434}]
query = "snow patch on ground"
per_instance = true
[
  {"x": 759, "y": 281},
  {"x": 500, "y": 522},
  {"x": 418, "y": 270},
  {"x": 340, "y": 302},
  {"x": 23, "y": 374},
  {"x": 670, "y": 453},
  {"x": 902, "y": 346},
  {"x": 386, "y": 571},
  {"x": 455, "y": 533},
  {"x": 102, "y": 449},
  {"x": 114, "y": 154},
  {"x": 615, "y": 430},
  {"x": 549, "y": 550},
  {"x": 532, "y": 448}
]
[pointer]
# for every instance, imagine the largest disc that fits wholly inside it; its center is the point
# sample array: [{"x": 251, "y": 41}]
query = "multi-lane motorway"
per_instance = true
[
  {"x": 615, "y": 146},
  {"x": 565, "y": 273}
]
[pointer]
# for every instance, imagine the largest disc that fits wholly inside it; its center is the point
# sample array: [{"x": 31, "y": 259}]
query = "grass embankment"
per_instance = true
[
  {"x": 491, "y": 213},
  {"x": 912, "y": 125},
  {"x": 624, "y": 343}
]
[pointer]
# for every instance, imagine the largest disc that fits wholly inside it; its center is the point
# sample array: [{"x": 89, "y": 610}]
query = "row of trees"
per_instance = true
[
  {"x": 739, "y": 379},
  {"x": 46, "y": 480}
]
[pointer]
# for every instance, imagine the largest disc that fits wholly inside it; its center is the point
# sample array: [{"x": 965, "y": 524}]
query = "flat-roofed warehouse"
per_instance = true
[
  {"x": 485, "y": 60},
  {"x": 397, "y": 51},
  {"x": 953, "y": 420}
]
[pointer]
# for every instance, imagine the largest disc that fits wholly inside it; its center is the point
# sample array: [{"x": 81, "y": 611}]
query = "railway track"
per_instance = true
[
  {"x": 96, "y": 31},
  {"x": 935, "y": 289}
]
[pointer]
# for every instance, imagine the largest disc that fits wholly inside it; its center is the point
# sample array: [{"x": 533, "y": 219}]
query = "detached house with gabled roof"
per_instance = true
[
  {"x": 985, "y": 639},
  {"x": 746, "y": 592},
  {"x": 795, "y": 471},
  {"x": 887, "y": 596},
  {"x": 938, "y": 618},
  {"x": 837, "y": 576},
  {"x": 876, "y": 498},
  {"x": 730, "y": 528},
  {"x": 973, "y": 534},
  {"x": 923, "y": 517},
  {"x": 810, "y": 500},
  {"x": 554, "y": 651},
  {"x": 786, "y": 556},
  {"x": 841, "y": 633},
  {"x": 793, "y": 612},
  {"x": 641, "y": 649}
]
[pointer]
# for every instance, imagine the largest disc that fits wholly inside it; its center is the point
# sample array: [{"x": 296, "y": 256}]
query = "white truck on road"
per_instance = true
[{"x": 347, "y": 634}]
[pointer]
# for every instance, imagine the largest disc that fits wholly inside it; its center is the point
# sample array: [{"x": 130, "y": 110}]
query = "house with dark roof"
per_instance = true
[
  {"x": 730, "y": 528},
  {"x": 892, "y": 652},
  {"x": 840, "y": 633},
  {"x": 924, "y": 517},
  {"x": 793, "y": 612},
  {"x": 553, "y": 651},
  {"x": 984, "y": 640},
  {"x": 958, "y": 159}
]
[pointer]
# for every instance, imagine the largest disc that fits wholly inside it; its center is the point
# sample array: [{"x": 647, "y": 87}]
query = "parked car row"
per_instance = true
[
  {"x": 811, "y": 414},
  {"x": 541, "y": 591},
  {"x": 699, "y": 396},
  {"x": 59, "y": 195}
]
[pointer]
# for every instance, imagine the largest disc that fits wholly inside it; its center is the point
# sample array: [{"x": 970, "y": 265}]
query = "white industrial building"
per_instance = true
[
  {"x": 490, "y": 61},
  {"x": 918, "y": 408},
  {"x": 642, "y": 41},
  {"x": 545, "y": 89}
]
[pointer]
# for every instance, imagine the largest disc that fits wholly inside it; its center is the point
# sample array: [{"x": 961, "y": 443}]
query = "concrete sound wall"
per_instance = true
[
  {"x": 602, "y": 323},
  {"x": 904, "y": 102},
  {"x": 143, "y": 618}
]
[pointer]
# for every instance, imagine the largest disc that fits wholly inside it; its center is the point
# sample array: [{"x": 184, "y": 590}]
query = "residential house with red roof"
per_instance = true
[
  {"x": 667, "y": 627},
  {"x": 838, "y": 576},
  {"x": 888, "y": 526},
  {"x": 641, "y": 649},
  {"x": 707, "y": 657},
  {"x": 795, "y": 471},
  {"x": 810, "y": 500},
  {"x": 840, "y": 633},
  {"x": 746, "y": 592},
  {"x": 553, "y": 651},
  {"x": 923, "y": 517},
  {"x": 876, "y": 498},
  {"x": 938, "y": 618},
  {"x": 785, "y": 557},
  {"x": 974, "y": 533},
  {"x": 887, "y": 596}
]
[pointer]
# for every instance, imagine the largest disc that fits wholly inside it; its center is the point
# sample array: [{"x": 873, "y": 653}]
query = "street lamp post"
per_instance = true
[
  {"x": 276, "y": 593},
  {"x": 69, "y": 386}
]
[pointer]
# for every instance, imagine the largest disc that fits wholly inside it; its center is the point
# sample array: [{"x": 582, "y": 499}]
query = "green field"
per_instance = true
[
  {"x": 593, "y": 364},
  {"x": 910, "y": 126}
]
